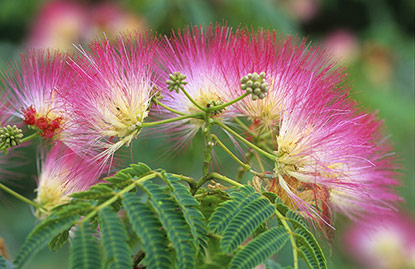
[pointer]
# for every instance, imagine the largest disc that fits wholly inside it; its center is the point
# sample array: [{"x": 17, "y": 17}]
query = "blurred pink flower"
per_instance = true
[
  {"x": 60, "y": 24},
  {"x": 382, "y": 243},
  {"x": 343, "y": 44}
]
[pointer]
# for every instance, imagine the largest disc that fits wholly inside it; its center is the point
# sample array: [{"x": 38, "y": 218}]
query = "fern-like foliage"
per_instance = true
[
  {"x": 310, "y": 250},
  {"x": 41, "y": 235},
  {"x": 173, "y": 221},
  {"x": 190, "y": 209},
  {"x": 223, "y": 214},
  {"x": 169, "y": 226},
  {"x": 245, "y": 222},
  {"x": 148, "y": 228},
  {"x": 85, "y": 251},
  {"x": 114, "y": 240},
  {"x": 259, "y": 249}
]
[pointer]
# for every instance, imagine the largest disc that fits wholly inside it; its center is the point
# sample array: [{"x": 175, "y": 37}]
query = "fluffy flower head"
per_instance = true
[
  {"x": 112, "y": 93},
  {"x": 63, "y": 172},
  {"x": 34, "y": 83}
]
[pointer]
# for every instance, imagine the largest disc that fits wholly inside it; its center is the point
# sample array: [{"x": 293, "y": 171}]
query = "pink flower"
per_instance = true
[
  {"x": 295, "y": 72},
  {"x": 207, "y": 56},
  {"x": 34, "y": 84},
  {"x": 111, "y": 94},
  {"x": 333, "y": 158},
  {"x": 62, "y": 173},
  {"x": 381, "y": 243}
]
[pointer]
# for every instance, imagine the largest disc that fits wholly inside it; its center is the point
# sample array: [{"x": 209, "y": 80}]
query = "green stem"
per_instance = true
[
  {"x": 207, "y": 156},
  {"x": 241, "y": 171},
  {"x": 20, "y": 197},
  {"x": 226, "y": 179},
  {"x": 246, "y": 142},
  {"x": 291, "y": 234},
  {"x": 193, "y": 100},
  {"x": 27, "y": 138},
  {"x": 169, "y": 108},
  {"x": 155, "y": 123},
  {"x": 222, "y": 106},
  {"x": 119, "y": 194},
  {"x": 230, "y": 153},
  {"x": 192, "y": 183}
]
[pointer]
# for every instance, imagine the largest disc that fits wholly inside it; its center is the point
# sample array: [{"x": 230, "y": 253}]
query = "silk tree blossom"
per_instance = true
[
  {"x": 62, "y": 173},
  {"x": 206, "y": 56},
  {"x": 294, "y": 70},
  {"x": 334, "y": 158},
  {"x": 111, "y": 94},
  {"x": 382, "y": 243},
  {"x": 34, "y": 84}
]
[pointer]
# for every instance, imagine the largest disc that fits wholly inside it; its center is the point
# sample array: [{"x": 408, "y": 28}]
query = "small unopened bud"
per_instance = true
[
  {"x": 255, "y": 84},
  {"x": 10, "y": 136},
  {"x": 176, "y": 82}
]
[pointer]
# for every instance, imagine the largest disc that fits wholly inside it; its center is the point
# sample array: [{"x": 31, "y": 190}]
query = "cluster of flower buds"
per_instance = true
[
  {"x": 255, "y": 84},
  {"x": 212, "y": 103},
  {"x": 176, "y": 81},
  {"x": 10, "y": 136}
]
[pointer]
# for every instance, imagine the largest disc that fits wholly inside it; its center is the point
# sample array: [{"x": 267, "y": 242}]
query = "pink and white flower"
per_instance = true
[
  {"x": 34, "y": 83},
  {"x": 207, "y": 56},
  {"x": 62, "y": 173},
  {"x": 111, "y": 95}
]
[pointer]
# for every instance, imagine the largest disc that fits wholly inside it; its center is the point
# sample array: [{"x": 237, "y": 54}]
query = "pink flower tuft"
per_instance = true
[
  {"x": 62, "y": 173},
  {"x": 111, "y": 95},
  {"x": 34, "y": 84}
]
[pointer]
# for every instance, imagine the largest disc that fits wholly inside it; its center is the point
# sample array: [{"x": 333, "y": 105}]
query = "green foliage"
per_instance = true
[
  {"x": 58, "y": 241},
  {"x": 222, "y": 216},
  {"x": 259, "y": 249},
  {"x": 173, "y": 221},
  {"x": 41, "y": 235},
  {"x": 114, "y": 240},
  {"x": 3, "y": 264},
  {"x": 169, "y": 226},
  {"x": 189, "y": 207},
  {"x": 85, "y": 251},
  {"x": 309, "y": 249},
  {"x": 148, "y": 228},
  {"x": 245, "y": 223}
]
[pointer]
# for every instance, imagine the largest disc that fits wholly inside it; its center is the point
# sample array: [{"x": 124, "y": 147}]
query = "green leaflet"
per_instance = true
[
  {"x": 126, "y": 176},
  {"x": 306, "y": 239},
  {"x": 149, "y": 230},
  {"x": 310, "y": 250},
  {"x": 260, "y": 248},
  {"x": 114, "y": 240},
  {"x": 224, "y": 213},
  {"x": 97, "y": 192},
  {"x": 173, "y": 221},
  {"x": 190, "y": 209},
  {"x": 308, "y": 256},
  {"x": 3, "y": 264},
  {"x": 58, "y": 241},
  {"x": 245, "y": 222},
  {"x": 210, "y": 200},
  {"x": 41, "y": 235},
  {"x": 85, "y": 251}
]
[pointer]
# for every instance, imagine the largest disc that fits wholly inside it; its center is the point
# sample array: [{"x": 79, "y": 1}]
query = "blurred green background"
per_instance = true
[{"x": 375, "y": 39}]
